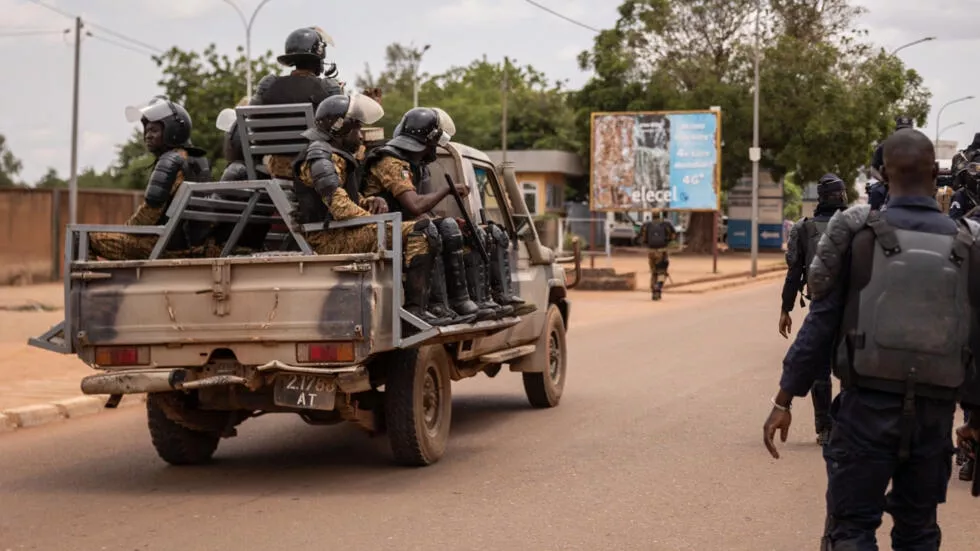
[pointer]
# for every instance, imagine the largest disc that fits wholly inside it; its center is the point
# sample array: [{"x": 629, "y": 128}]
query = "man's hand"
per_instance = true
[
  {"x": 785, "y": 324},
  {"x": 376, "y": 205},
  {"x": 462, "y": 189},
  {"x": 778, "y": 420},
  {"x": 967, "y": 438}
]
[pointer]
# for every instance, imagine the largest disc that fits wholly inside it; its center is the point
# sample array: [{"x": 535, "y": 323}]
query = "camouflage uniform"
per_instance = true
[{"x": 657, "y": 257}]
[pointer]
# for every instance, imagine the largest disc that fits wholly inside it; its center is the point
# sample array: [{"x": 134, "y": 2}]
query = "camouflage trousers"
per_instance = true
[
  {"x": 659, "y": 262},
  {"x": 279, "y": 166},
  {"x": 122, "y": 246},
  {"x": 364, "y": 239}
]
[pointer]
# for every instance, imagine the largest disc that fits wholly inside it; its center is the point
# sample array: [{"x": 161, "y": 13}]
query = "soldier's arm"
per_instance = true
[
  {"x": 167, "y": 175},
  {"x": 956, "y": 206},
  {"x": 235, "y": 172},
  {"x": 261, "y": 89},
  {"x": 834, "y": 245},
  {"x": 396, "y": 178},
  {"x": 331, "y": 86},
  {"x": 794, "y": 262}
]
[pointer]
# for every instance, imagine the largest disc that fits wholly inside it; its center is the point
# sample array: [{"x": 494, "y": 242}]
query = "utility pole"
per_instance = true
[
  {"x": 73, "y": 185},
  {"x": 755, "y": 154},
  {"x": 503, "y": 117}
]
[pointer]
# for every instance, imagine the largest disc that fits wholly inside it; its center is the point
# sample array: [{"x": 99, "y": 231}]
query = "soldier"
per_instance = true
[
  {"x": 900, "y": 379},
  {"x": 166, "y": 132},
  {"x": 395, "y": 171},
  {"x": 802, "y": 245},
  {"x": 656, "y": 235},
  {"x": 306, "y": 51},
  {"x": 327, "y": 181},
  {"x": 966, "y": 177},
  {"x": 878, "y": 192}
]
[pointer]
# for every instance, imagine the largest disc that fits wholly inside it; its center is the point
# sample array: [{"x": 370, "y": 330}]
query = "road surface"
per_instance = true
[{"x": 657, "y": 445}]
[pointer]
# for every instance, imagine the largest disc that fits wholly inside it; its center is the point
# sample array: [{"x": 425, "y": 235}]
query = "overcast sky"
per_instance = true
[{"x": 35, "y": 111}]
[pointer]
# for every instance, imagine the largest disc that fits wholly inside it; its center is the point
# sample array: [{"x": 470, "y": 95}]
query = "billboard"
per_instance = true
[{"x": 656, "y": 160}]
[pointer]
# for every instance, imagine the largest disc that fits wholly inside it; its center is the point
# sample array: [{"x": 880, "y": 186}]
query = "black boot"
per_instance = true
[
  {"x": 459, "y": 296},
  {"x": 418, "y": 276},
  {"x": 438, "y": 297},
  {"x": 657, "y": 290},
  {"x": 500, "y": 283},
  {"x": 486, "y": 309}
]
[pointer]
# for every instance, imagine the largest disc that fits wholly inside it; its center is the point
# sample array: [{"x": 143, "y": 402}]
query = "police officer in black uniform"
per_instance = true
[
  {"x": 878, "y": 192},
  {"x": 802, "y": 246},
  {"x": 966, "y": 177},
  {"x": 902, "y": 362}
]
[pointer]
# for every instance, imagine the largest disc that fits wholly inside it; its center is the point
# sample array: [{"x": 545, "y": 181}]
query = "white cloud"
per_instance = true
[
  {"x": 483, "y": 12},
  {"x": 192, "y": 9}
]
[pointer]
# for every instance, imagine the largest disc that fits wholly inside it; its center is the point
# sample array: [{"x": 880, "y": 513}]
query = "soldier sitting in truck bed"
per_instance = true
[
  {"x": 396, "y": 170},
  {"x": 327, "y": 181},
  {"x": 167, "y": 132}
]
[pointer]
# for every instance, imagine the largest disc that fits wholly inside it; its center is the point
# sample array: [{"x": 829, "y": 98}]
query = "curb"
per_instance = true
[
  {"x": 728, "y": 284},
  {"x": 60, "y": 410},
  {"x": 762, "y": 270}
]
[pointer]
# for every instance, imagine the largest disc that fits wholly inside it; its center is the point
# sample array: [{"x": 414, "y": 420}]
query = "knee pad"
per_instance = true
[
  {"x": 452, "y": 237},
  {"x": 432, "y": 237},
  {"x": 499, "y": 235}
]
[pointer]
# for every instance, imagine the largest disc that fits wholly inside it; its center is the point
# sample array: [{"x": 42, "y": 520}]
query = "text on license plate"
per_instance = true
[{"x": 305, "y": 391}]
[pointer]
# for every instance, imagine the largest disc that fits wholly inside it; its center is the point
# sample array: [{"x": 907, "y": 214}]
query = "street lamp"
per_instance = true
[
  {"x": 920, "y": 41},
  {"x": 248, "y": 40},
  {"x": 943, "y": 131},
  {"x": 755, "y": 154},
  {"x": 940, "y": 115},
  {"x": 415, "y": 76}
]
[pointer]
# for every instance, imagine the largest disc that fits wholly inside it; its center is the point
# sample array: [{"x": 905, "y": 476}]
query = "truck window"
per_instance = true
[{"x": 486, "y": 183}]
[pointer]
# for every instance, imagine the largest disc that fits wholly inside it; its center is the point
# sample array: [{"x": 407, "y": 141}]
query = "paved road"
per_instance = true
[{"x": 656, "y": 446}]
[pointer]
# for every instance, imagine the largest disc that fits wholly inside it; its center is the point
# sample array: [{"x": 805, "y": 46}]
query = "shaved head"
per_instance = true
[{"x": 910, "y": 163}]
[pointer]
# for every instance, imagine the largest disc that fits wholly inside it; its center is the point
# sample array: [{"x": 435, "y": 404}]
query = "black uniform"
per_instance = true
[{"x": 871, "y": 420}]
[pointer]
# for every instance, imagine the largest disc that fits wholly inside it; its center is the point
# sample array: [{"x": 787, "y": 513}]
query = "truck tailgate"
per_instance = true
[{"x": 220, "y": 300}]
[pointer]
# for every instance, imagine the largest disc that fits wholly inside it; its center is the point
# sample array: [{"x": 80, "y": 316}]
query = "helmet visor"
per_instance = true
[
  {"x": 446, "y": 123},
  {"x": 364, "y": 109},
  {"x": 226, "y": 118},
  {"x": 155, "y": 111},
  {"x": 323, "y": 36}
]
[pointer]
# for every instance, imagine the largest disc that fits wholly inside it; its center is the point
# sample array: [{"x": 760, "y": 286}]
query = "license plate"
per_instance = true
[{"x": 305, "y": 391}]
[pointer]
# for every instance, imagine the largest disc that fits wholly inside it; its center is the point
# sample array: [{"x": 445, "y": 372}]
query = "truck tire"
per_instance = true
[
  {"x": 544, "y": 388},
  {"x": 418, "y": 405},
  {"x": 175, "y": 443}
]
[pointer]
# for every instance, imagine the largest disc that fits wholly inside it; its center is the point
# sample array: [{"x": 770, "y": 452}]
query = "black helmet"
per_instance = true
[
  {"x": 176, "y": 121},
  {"x": 422, "y": 128},
  {"x": 903, "y": 122},
  {"x": 336, "y": 113},
  {"x": 309, "y": 43}
]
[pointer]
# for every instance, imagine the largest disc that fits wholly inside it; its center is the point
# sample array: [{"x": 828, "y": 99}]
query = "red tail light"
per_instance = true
[
  {"x": 122, "y": 355},
  {"x": 324, "y": 352}
]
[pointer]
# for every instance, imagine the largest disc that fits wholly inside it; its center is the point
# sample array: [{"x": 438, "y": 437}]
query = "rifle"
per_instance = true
[{"x": 469, "y": 221}]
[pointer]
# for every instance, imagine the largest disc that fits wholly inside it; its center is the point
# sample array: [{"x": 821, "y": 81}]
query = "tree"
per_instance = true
[
  {"x": 10, "y": 165},
  {"x": 826, "y": 95},
  {"x": 50, "y": 180}
]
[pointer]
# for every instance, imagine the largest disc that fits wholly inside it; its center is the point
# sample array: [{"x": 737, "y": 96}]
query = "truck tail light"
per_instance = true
[
  {"x": 324, "y": 352},
  {"x": 122, "y": 355}
]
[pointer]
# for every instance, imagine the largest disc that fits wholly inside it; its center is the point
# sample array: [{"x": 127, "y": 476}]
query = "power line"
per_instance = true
[
  {"x": 565, "y": 17},
  {"x": 31, "y": 33},
  {"x": 118, "y": 44},
  {"x": 97, "y": 26}
]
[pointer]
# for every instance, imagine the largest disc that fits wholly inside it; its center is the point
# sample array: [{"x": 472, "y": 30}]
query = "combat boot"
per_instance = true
[
  {"x": 459, "y": 296},
  {"x": 438, "y": 296},
  {"x": 486, "y": 308},
  {"x": 501, "y": 284},
  {"x": 657, "y": 290},
  {"x": 966, "y": 470},
  {"x": 418, "y": 277}
]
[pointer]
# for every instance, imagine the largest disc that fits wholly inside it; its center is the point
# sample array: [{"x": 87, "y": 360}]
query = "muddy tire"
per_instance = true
[
  {"x": 418, "y": 406},
  {"x": 175, "y": 443},
  {"x": 544, "y": 389}
]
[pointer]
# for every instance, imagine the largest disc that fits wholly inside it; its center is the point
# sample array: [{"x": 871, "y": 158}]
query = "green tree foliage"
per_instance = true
[
  {"x": 10, "y": 165},
  {"x": 538, "y": 113},
  {"x": 826, "y": 94}
]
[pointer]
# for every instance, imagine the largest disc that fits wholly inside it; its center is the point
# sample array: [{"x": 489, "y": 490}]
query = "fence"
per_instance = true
[{"x": 32, "y": 235}]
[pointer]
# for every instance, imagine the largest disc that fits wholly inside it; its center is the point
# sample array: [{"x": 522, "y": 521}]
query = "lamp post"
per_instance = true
[
  {"x": 247, "y": 22},
  {"x": 943, "y": 131},
  {"x": 939, "y": 116},
  {"x": 755, "y": 154},
  {"x": 920, "y": 41},
  {"x": 415, "y": 76}
]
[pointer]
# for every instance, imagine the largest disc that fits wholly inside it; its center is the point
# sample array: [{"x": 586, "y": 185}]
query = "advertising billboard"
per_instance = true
[{"x": 656, "y": 160}]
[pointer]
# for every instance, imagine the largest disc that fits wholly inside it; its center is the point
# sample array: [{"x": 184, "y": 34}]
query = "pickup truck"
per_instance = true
[{"x": 215, "y": 341}]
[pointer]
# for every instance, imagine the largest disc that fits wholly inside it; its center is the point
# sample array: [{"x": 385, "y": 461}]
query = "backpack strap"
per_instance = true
[{"x": 884, "y": 234}]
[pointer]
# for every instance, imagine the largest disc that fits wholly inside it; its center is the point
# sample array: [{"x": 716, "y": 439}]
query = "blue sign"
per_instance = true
[
  {"x": 655, "y": 161},
  {"x": 739, "y": 232}
]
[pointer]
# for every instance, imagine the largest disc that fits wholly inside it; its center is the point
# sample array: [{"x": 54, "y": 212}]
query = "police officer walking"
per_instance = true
[
  {"x": 656, "y": 235},
  {"x": 878, "y": 192},
  {"x": 902, "y": 361},
  {"x": 802, "y": 246}
]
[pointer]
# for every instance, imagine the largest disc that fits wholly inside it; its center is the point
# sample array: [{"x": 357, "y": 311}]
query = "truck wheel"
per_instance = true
[
  {"x": 176, "y": 444},
  {"x": 418, "y": 406},
  {"x": 544, "y": 389}
]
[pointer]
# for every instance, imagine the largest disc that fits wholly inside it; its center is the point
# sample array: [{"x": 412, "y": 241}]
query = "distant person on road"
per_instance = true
[
  {"x": 802, "y": 246},
  {"x": 902, "y": 362},
  {"x": 656, "y": 235},
  {"x": 878, "y": 192}
]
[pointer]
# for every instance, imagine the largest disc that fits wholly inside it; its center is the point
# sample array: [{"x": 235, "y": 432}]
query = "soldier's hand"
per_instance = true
[
  {"x": 778, "y": 420},
  {"x": 785, "y": 324},
  {"x": 462, "y": 189},
  {"x": 967, "y": 438},
  {"x": 377, "y": 205}
]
